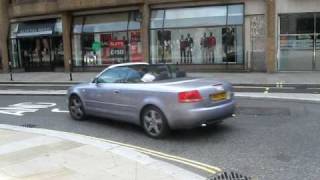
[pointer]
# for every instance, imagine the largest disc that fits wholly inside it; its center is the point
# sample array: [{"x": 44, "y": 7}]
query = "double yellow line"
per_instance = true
[{"x": 198, "y": 165}]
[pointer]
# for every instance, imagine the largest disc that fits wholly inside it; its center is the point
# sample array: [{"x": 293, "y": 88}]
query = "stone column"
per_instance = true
[
  {"x": 271, "y": 50},
  {"x": 145, "y": 10},
  {"x": 4, "y": 32},
  {"x": 66, "y": 27}
]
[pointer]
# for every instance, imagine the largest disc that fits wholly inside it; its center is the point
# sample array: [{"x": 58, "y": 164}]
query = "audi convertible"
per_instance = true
[{"x": 159, "y": 98}]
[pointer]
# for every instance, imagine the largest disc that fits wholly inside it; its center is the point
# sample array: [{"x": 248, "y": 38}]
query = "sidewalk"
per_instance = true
[
  {"x": 39, "y": 154},
  {"x": 235, "y": 78}
]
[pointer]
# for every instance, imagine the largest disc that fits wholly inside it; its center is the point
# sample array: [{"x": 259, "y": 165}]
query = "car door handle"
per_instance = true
[{"x": 116, "y": 91}]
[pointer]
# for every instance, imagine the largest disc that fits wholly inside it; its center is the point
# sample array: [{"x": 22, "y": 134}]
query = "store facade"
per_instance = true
[
  {"x": 82, "y": 36},
  {"x": 36, "y": 45}
]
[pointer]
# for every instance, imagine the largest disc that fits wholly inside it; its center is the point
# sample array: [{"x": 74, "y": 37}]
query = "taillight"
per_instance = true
[{"x": 189, "y": 96}]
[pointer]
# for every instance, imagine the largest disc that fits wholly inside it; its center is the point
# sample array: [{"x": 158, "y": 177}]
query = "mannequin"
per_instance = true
[
  {"x": 211, "y": 47},
  {"x": 189, "y": 43},
  {"x": 183, "y": 46},
  {"x": 204, "y": 48}
]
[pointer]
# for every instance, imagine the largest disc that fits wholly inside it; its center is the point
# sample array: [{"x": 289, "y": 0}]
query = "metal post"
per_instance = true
[
  {"x": 70, "y": 70},
  {"x": 10, "y": 70}
]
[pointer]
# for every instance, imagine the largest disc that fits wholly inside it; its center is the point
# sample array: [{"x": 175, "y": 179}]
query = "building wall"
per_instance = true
[{"x": 297, "y": 6}]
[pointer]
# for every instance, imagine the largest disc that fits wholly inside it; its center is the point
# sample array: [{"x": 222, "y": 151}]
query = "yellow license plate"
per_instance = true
[{"x": 219, "y": 96}]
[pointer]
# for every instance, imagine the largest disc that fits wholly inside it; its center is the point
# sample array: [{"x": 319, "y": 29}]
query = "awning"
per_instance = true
[{"x": 36, "y": 28}]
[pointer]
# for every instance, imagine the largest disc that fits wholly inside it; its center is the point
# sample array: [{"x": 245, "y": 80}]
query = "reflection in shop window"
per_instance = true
[
  {"x": 107, "y": 39},
  {"x": 197, "y": 38}
]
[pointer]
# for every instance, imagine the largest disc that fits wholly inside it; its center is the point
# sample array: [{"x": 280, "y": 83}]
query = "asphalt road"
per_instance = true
[{"x": 267, "y": 139}]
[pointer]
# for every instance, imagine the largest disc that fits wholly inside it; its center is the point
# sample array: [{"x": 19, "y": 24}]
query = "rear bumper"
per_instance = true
[{"x": 187, "y": 119}]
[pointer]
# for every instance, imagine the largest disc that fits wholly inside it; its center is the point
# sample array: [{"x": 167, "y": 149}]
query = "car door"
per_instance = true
[
  {"x": 103, "y": 96},
  {"x": 128, "y": 96}
]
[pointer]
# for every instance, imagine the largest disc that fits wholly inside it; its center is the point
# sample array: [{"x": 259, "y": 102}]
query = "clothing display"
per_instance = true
[
  {"x": 228, "y": 45},
  {"x": 164, "y": 46}
]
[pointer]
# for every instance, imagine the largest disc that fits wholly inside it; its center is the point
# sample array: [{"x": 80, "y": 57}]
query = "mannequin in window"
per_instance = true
[
  {"x": 211, "y": 47},
  {"x": 183, "y": 46},
  {"x": 189, "y": 41},
  {"x": 228, "y": 44},
  {"x": 204, "y": 48}
]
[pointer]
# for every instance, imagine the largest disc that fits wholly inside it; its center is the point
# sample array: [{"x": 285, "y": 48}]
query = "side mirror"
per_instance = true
[{"x": 94, "y": 80}]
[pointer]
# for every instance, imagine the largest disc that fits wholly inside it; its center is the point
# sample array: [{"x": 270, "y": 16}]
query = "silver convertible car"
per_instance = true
[{"x": 157, "y": 97}]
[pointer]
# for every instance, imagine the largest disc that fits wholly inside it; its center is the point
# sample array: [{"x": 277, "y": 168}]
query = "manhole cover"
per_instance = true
[
  {"x": 229, "y": 176},
  {"x": 29, "y": 125}
]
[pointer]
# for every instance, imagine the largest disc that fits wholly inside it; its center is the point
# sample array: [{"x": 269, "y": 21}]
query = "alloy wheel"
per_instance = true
[
  {"x": 154, "y": 123},
  {"x": 76, "y": 108}
]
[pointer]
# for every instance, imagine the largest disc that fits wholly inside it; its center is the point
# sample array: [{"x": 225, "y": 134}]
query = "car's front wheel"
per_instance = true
[
  {"x": 154, "y": 122},
  {"x": 76, "y": 108}
]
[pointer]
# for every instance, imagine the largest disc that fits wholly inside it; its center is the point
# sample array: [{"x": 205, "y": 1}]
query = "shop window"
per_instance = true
[
  {"x": 296, "y": 24},
  {"x": 157, "y": 18},
  {"x": 198, "y": 35},
  {"x": 193, "y": 17},
  {"x": 235, "y": 14},
  {"x": 107, "y": 39}
]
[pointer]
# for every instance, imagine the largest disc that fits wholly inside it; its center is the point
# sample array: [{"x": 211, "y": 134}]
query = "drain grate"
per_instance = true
[
  {"x": 28, "y": 125},
  {"x": 229, "y": 176}
]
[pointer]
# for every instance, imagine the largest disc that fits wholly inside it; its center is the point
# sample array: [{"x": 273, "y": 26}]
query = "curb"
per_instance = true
[
  {"x": 252, "y": 95},
  {"x": 313, "y": 98},
  {"x": 126, "y": 152},
  {"x": 43, "y": 82}
]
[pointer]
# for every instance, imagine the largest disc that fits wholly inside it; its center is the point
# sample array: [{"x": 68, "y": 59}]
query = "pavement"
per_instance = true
[
  {"x": 39, "y": 154},
  {"x": 298, "y": 78}
]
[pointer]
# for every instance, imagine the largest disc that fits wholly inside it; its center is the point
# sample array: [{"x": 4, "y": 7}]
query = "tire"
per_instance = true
[
  {"x": 154, "y": 122},
  {"x": 76, "y": 108}
]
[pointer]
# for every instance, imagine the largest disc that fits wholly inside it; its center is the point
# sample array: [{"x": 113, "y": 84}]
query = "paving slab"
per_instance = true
[{"x": 41, "y": 154}]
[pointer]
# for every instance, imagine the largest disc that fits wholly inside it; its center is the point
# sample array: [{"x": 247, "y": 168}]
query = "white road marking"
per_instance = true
[
  {"x": 26, "y": 107},
  {"x": 57, "y": 110}
]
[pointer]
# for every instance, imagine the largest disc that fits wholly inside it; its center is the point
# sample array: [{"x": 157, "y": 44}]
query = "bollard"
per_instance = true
[
  {"x": 10, "y": 70},
  {"x": 70, "y": 70}
]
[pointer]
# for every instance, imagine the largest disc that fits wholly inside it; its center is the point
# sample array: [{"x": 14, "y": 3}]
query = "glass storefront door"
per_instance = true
[
  {"x": 299, "y": 42},
  {"x": 36, "y": 53},
  {"x": 296, "y": 42}
]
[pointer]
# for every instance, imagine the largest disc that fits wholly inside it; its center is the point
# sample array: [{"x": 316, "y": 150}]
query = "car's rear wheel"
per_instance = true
[
  {"x": 154, "y": 122},
  {"x": 76, "y": 108}
]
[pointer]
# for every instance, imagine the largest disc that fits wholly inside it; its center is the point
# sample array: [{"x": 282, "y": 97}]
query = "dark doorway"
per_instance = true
[{"x": 41, "y": 53}]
